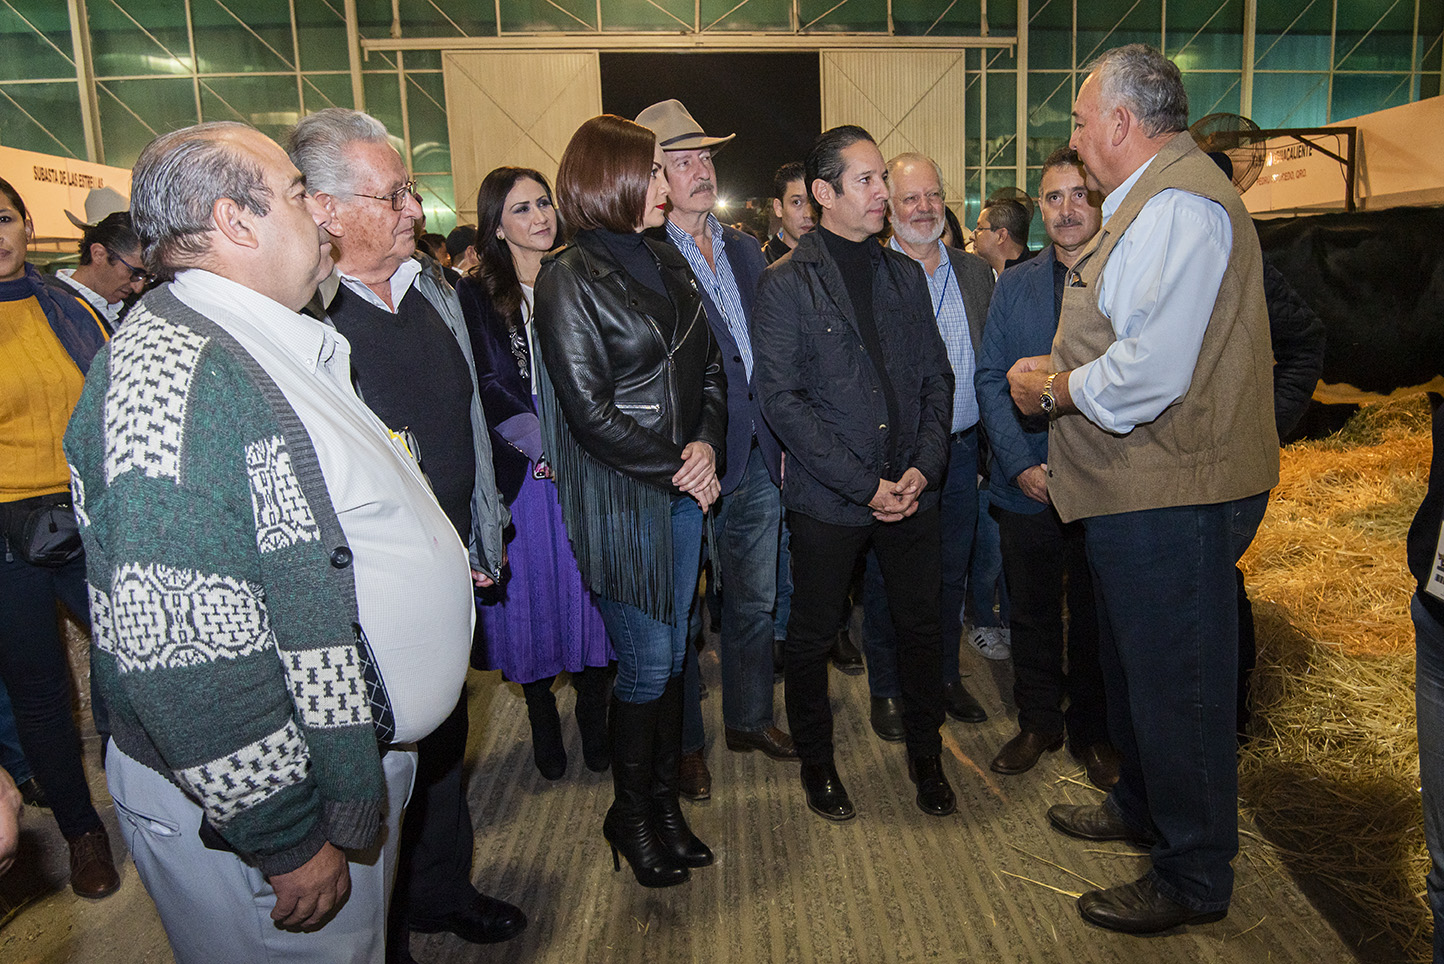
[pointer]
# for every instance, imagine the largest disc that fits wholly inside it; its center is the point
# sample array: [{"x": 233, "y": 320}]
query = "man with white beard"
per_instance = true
[{"x": 961, "y": 287}]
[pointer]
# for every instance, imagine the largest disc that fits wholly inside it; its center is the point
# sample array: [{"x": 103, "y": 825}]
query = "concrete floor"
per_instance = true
[{"x": 990, "y": 883}]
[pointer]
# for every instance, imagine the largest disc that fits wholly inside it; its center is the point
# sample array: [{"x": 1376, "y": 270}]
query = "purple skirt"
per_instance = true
[{"x": 542, "y": 619}]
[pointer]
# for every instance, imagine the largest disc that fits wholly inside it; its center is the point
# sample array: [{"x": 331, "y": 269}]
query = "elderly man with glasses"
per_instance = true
[{"x": 411, "y": 360}]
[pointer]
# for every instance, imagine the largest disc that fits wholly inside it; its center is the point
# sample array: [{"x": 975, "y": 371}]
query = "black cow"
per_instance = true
[{"x": 1376, "y": 278}]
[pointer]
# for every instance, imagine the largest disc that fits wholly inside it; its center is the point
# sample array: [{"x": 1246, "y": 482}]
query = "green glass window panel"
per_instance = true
[
  {"x": 1104, "y": 15},
  {"x": 1205, "y": 33},
  {"x": 53, "y": 125},
  {"x": 1290, "y": 100},
  {"x": 1211, "y": 93},
  {"x": 972, "y": 101},
  {"x": 1002, "y": 17},
  {"x": 423, "y": 60},
  {"x": 752, "y": 15},
  {"x": 319, "y": 91},
  {"x": 647, "y": 14},
  {"x": 132, "y": 112},
  {"x": 44, "y": 51},
  {"x": 1002, "y": 119},
  {"x": 1358, "y": 94},
  {"x": 1380, "y": 50},
  {"x": 529, "y": 16},
  {"x": 937, "y": 18},
  {"x": 321, "y": 35},
  {"x": 267, "y": 103},
  {"x": 438, "y": 201},
  {"x": 1292, "y": 51},
  {"x": 261, "y": 44},
  {"x": 421, "y": 18},
  {"x": 1294, "y": 16},
  {"x": 1429, "y": 86},
  {"x": 851, "y": 16},
  {"x": 142, "y": 37},
  {"x": 426, "y": 106},
  {"x": 1050, "y": 49},
  {"x": 1050, "y": 106},
  {"x": 383, "y": 101}
]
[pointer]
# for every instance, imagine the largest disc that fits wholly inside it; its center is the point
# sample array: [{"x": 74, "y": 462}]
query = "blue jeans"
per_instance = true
[
  {"x": 650, "y": 652},
  {"x": 986, "y": 582},
  {"x": 1168, "y": 644},
  {"x": 749, "y": 522},
  {"x": 1429, "y": 705},
  {"x": 957, "y": 519}
]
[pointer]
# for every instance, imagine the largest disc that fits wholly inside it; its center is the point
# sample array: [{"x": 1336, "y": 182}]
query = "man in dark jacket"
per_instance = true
[
  {"x": 855, "y": 381},
  {"x": 748, "y": 525}
]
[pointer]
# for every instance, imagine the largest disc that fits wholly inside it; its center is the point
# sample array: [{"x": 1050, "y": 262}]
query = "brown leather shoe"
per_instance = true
[
  {"x": 771, "y": 741},
  {"x": 694, "y": 780},
  {"x": 1138, "y": 908},
  {"x": 92, "y": 868},
  {"x": 1101, "y": 762},
  {"x": 1096, "y": 822},
  {"x": 1021, "y": 753}
]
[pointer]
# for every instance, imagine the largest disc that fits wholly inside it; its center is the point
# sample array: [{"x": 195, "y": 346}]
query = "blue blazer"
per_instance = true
[
  {"x": 744, "y": 413},
  {"x": 1021, "y": 322}
]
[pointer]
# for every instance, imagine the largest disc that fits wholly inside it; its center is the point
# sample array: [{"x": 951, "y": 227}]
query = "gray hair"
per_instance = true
[
  {"x": 317, "y": 146},
  {"x": 915, "y": 157},
  {"x": 176, "y": 182},
  {"x": 1141, "y": 79}
]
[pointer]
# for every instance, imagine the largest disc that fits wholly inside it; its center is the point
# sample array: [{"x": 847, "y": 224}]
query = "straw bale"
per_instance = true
[{"x": 1331, "y": 774}]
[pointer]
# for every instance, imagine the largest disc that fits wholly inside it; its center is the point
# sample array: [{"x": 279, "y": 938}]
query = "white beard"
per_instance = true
[{"x": 904, "y": 230}]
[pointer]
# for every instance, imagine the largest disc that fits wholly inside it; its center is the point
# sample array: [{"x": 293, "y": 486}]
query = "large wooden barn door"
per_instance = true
[
  {"x": 514, "y": 108},
  {"x": 908, "y": 101}
]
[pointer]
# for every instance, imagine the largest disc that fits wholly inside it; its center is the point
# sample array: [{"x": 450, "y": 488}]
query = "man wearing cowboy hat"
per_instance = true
[
  {"x": 727, "y": 264},
  {"x": 110, "y": 269}
]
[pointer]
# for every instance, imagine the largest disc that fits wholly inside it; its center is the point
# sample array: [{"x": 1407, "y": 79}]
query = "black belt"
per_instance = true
[{"x": 965, "y": 434}]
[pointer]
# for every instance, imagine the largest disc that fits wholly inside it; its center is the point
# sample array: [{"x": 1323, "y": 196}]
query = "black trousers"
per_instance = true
[
  {"x": 433, "y": 874},
  {"x": 1044, "y": 563},
  {"x": 823, "y": 558}
]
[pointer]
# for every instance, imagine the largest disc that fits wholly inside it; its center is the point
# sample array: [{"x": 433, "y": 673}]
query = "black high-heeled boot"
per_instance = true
[
  {"x": 546, "y": 728},
  {"x": 667, "y": 818},
  {"x": 628, "y": 826},
  {"x": 592, "y": 685}
]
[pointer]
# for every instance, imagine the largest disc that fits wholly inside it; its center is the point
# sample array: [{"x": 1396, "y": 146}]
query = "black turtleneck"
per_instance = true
[
  {"x": 858, "y": 261},
  {"x": 635, "y": 257}
]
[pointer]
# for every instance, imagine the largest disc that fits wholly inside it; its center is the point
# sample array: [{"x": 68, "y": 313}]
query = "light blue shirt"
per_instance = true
[
  {"x": 952, "y": 318},
  {"x": 720, "y": 283},
  {"x": 1158, "y": 289}
]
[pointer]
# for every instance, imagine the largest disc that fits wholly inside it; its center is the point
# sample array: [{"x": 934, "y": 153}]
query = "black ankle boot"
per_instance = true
[
  {"x": 591, "y": 685},
  {"x": 546, "y": 728},
  {"x": 629, "y": 826},
  {"x": 667, "y": 818}
]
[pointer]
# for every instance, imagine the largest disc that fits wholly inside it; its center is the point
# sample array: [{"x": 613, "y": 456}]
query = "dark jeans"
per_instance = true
[
  {"x": 748, "y": 527},
  {"x": 823, "y": 557},
  {"x": 957, "y": 518},
  {"x": 433, "y": 873},
  {"x": 1168, "y": 624},
  {"x": 37, "y": 676},
  {"x": 1044, "y": 563}
]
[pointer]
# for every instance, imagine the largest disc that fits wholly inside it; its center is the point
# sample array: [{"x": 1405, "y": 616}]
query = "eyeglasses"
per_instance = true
[
  {"x": 398, "y": 197},
  {"x": 136, "y": 274}
]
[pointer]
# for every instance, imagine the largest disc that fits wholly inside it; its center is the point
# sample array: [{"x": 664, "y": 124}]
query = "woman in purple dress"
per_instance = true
[{"x": 543, "y": 620}]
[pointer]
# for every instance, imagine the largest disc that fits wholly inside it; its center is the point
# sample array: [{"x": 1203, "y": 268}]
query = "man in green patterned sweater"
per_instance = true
[{"x": 280, "y": 606}]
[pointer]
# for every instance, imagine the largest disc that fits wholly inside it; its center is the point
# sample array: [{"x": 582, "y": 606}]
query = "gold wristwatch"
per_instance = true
[{"x": 1048, "y": 401}]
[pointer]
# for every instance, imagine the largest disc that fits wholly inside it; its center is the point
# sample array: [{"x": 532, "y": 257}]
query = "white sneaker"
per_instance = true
[{"x": 994, "y": 642}]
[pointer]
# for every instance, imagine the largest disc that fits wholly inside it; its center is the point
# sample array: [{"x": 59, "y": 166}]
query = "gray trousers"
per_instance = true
[{"x": 216, "y": 908}]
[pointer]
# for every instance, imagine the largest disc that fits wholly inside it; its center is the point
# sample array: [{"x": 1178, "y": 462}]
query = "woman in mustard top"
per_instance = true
[{"x": 47, "y": 340}]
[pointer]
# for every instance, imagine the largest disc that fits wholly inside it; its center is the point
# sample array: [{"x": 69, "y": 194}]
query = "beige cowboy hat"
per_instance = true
[
  {"x": 100, "y": 203},
  {"x": 676, "y": 130}
]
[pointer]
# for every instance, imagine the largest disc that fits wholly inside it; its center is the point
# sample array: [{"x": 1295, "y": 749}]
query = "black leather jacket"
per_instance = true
[{"x": 636, "y": 378}]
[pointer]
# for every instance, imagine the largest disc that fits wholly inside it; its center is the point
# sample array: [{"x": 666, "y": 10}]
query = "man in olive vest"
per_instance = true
[{"x": 1160, "y": 391}]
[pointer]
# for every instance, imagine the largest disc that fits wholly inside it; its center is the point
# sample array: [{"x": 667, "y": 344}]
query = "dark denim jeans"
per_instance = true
[
  {"x": 748, "y": 527},
  {"x": 957, "y": 520},
  {"x": 1168, "y": 630},
  {"x": 987, "y": 582},
  {"x": 12, "y": 758},
  {"x": 1429, "y": 706},
  {"x": 650, "y": 652}
]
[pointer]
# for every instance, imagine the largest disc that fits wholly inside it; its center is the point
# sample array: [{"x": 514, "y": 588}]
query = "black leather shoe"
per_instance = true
[
  {"x": 695, "y": 780},
  {"x": 825, "y": 793},
  {"x": 961, "y": 705},
  {"x": 1021, "y": 753},
  {"x": 1096, "y": 822},
  {"x": 486, "y": 921},
  {"x": 1138, "y": 908},
  {"x": 844, "y": 654},
  {"x": 770, "y": 741},
  {"x": 33, "y": 796},
  {"x": 1101, "y": 762},
  {"x": 887, "y": 718},
  {"x": 935, "y": 796}
]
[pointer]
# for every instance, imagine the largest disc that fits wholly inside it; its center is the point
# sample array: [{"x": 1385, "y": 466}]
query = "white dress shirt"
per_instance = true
[
  {"x": 1158, "y": 289},
  {"x": 110, "y": 312},
  {"x": 413, "y": 581}
]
